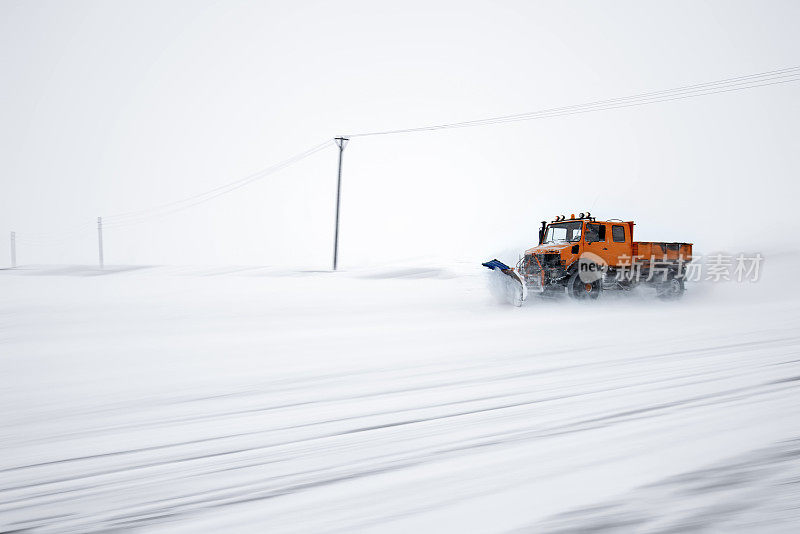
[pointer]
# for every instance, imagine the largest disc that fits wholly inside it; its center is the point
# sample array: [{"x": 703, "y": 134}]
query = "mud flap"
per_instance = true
[{"x": 505, "y": 284}]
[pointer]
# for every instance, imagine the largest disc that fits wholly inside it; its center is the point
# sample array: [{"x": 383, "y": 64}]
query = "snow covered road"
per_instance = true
[{"x": 391, "y": 400}]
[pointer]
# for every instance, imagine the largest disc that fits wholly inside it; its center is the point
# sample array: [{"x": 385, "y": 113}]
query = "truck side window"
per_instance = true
[
  {"x": 595, "y": 232},
  {"x": 618, "y": 233}
]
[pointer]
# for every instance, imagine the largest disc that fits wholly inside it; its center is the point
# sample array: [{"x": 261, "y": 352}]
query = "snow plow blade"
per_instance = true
[
  {"x": 506, "y": 286},
  {"x": 495, "y": 264}
]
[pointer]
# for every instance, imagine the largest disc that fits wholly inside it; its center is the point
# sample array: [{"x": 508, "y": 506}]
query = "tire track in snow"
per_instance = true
[{"x": 489, "y": 440}]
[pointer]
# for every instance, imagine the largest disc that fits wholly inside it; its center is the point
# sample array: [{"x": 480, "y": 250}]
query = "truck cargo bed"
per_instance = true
[{"x": 662, "y": 251}]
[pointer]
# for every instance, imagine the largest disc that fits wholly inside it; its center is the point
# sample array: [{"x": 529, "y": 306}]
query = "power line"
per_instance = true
[
  {"x": 53, "y": 238},
  {"x": 75, "y": 228},
  {"x": 139, "y": 216},
  {"x": 740, "y": 83},
  {"x": 135, "y": 217}
]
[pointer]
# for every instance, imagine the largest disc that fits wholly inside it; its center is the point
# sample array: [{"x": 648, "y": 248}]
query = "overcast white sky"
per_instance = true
[{"x": 114, "y": 106}]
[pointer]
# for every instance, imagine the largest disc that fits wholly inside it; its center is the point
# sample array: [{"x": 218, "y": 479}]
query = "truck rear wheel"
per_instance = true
[
  {"x": 579, "y": 290},
  {"x": 672, "y": 289}
]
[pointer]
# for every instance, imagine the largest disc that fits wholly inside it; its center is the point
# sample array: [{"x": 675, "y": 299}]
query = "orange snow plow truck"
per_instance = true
[{"x": 584, "y": 257}]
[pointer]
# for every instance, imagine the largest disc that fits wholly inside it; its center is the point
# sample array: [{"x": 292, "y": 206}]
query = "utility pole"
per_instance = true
[
  {"x": 13, "y": 250},
  {"x": 341, "y": 142},
  {"x": 100, "y": 239}
]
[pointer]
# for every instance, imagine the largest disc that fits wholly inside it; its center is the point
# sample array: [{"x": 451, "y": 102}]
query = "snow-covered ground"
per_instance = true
[{"x": 393, "y": 400}]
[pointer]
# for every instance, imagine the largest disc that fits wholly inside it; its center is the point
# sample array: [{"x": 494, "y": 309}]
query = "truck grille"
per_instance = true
[
  {"x": 549, "y": 261},
  {"x": 551, "y": 264}
]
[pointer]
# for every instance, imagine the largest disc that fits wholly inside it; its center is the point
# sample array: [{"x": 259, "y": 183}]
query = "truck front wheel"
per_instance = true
[{"x": 579, "y": 290}]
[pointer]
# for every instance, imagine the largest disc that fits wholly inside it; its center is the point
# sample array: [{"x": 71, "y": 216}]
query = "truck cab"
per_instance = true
[{"x": 609, "y": 240}]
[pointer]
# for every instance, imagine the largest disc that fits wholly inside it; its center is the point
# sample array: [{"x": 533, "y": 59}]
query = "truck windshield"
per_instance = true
[{"x": 568, "y": 232}]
